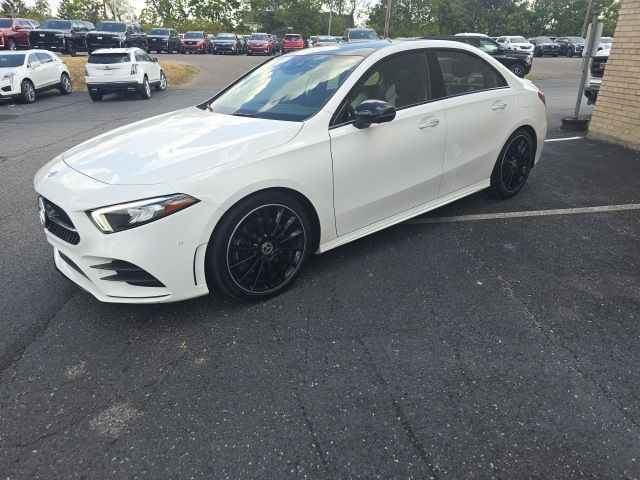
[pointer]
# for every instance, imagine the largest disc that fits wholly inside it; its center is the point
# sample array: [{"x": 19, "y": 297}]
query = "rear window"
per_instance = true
[
  {"x": 57, "y": 24},
  {"x": 111, "y": 27},
  {"x": 6, "y": 23},
  {"x": 296, "y": 38},
  {"x": 108, "y": 58}
]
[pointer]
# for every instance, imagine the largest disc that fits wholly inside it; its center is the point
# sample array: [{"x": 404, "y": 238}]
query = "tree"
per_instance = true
[
  {"x": 13, "y": 8},
  {"x": 41, "y": 9}
]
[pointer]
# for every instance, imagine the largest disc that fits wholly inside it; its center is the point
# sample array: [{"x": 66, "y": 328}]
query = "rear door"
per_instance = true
[
  {"x": 49, "y": 69},
  {"x": 23, "y": 34},
  {"x": 152, "y": 68},
  {"x": 36, "y": 72},
  {"x": 480, "y": 109}
]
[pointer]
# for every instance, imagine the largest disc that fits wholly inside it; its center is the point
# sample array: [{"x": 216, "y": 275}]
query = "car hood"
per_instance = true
[
  {"x": 50, "y": 30},
  {"x": 163, "y": 37},
  {"x": 101, "y": 32},
  {"x": 175, "y": 145},
  {"x": 4, "y": 71}
]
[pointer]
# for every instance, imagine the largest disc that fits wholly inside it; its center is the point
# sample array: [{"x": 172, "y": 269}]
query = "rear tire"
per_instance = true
[
  {"x": 11, "y": 44},
  {"x": 65, "y": 84},
  {"x": 28, "y": 92},
  {"x": 96, "y": 96},
  {"x": 518, "y": 70},
  {"x": 259, "y": 246},
  {"x": 512, "y": 168},
  {"x": 70, "y": 49}
]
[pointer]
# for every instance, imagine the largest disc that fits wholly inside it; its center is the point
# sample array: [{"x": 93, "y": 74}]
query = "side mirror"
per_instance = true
[
  {"x": 155, "y": 59},
  {"x": 17, "y": 28},
  {"x": 373, "y": 111}
]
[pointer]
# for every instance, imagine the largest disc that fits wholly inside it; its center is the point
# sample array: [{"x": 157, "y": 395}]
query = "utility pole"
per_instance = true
[
  {"x": 330, "y": 15},
  {"x": 387, "y": 19},
  {"x": 586, "y": 19}
]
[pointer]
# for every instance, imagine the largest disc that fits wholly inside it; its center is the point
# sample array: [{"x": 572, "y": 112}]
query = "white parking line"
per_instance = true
[
  {"x": 562, "y": 139},
  {"x": 530, "y": 213}
]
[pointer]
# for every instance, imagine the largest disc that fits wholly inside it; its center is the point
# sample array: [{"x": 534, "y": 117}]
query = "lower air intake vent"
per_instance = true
[{"x": 128, "y": 273}]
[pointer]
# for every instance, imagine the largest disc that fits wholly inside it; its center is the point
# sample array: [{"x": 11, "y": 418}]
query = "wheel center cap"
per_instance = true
[{"x": 267, "y": 248}]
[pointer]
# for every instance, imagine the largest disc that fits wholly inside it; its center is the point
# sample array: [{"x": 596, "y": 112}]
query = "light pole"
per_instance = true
[{"x": 387, "y": 18}]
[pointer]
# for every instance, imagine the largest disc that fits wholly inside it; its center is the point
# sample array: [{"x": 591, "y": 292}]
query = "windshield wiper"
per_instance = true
[{"x": 242, "y": 114}]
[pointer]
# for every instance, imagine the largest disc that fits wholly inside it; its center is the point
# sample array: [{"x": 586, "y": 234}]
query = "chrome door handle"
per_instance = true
[
  {"x": 499, "y": 106},
  {"x": 429, "y": 122}
]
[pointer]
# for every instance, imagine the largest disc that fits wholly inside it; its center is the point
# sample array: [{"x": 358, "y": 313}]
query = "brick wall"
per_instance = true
[{"x": 616, "y": 116}]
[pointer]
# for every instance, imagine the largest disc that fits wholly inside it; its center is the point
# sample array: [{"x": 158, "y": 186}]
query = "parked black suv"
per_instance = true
[
  {"x": 544, "y": 46},
  {"x": 518, "y": 61},
  {"x": 570, "y": 46},
  {"x": 69, "y": 36},
  {"x": 163, "y": 40},
  {"x": 117, "y": 34}
]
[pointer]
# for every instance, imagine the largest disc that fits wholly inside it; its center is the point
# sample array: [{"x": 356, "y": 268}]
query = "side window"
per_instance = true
[
  {"x": 33, "y": 60},
  {"x": 138, "y": 56},
  {"x": 500, "y": 40},
  {"x": 147, "y": 58},
  {"x": 464, "y": 72},
  {"x": 402, "y": 81},
  {"x": 487, "y": 45},
  {"x": 44, "y": 58},
  {"x": 129, "y": 29}
]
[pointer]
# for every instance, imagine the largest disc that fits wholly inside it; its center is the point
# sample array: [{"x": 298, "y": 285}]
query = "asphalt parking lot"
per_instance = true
[{"x": 463, "y": 344}]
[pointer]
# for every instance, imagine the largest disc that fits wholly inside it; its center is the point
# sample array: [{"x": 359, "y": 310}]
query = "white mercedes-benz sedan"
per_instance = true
[{"x": 304, "y": 153}]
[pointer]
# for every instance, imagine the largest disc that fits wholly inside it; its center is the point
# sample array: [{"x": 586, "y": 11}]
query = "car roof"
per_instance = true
[
  {"x": 363, "y": 49},
  {"x": 114, "y": 50},
  {"x": 22, "y": 52}
]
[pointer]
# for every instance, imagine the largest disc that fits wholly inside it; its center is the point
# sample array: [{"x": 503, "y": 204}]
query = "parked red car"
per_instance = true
[
  {"x": 261, "y": 43},
  {"x": 14, "y": 33},
  {"x": 292, "y": 41},
  {"x": 196, "y": 42}
]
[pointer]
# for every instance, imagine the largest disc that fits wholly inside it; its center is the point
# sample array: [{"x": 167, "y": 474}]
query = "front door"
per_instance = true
[{"x": 389, "y": 168}]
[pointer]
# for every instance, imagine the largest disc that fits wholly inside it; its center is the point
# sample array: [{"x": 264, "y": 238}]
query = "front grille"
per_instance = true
[
  {"x": 128, "y": 273},
  {"x": 59, "y": 224}
]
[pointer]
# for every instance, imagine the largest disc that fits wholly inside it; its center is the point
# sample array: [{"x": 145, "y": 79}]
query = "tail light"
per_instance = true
[
  {"x": 134, "y": 69},
  {"x": 542, "y": 98}
]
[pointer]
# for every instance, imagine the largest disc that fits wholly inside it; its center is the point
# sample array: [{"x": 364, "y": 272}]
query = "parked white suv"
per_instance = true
[
  {"x": 123, "y": 70},
  {"x": 515, "y": 43},
  {"x": 24, "y": 73}
]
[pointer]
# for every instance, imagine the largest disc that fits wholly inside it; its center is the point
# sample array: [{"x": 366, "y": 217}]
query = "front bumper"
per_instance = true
[
  {"x": 170, "y": 249},
  {"x": 224, "y": 48},
  {"x": 264, "y": 49},
  {"x": 9, "y": 89},
  {"x": 193, "y": 48},
  {"x": 591, "y": 90}
]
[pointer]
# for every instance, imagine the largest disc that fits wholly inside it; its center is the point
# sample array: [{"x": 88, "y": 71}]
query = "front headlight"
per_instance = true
[
  {"x": 129, "y": 215},
  {"x": 9, "y": 76}
]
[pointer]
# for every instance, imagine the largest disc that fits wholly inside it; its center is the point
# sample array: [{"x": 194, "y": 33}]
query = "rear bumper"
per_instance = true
[{"x": 128, "y": 85}]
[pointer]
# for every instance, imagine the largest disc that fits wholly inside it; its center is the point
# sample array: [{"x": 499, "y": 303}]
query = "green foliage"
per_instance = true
[
  {"x": 13, "y": 8},
  {"x": 494, "y": 17}
]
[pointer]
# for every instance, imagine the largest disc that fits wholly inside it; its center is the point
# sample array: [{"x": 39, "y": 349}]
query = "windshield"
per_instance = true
[
  {"x": 226, "y": 36},
  {"x": 6, "y": 23},
  {"x": 159, "y": 31},
  {"x": 259, "y": 36},
  {"x": 363, "y": 35},
  {"x": 194, "y": 35},
  {"x": 543, "y": 40},
  {"x": 57, "y": 24},
  {"x": 518, "y": 40},
  {"x": 10, "y": 61},
  {"x": 109, "y": 58},
  {"x": 577, "y": 39},
  {"x": 326, "y": 40},
  {"x": 111, "y": 27},
  {"x": 291, "y": 88}
]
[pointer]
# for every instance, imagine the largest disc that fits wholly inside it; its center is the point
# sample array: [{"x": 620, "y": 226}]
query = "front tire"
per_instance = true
[
  {"x": 162, "y": 86},
  {"x": 518, "y": 70},
  {"x": 28, "y": 91},
  {"x": 65, "y": 84},
  {"x": 259, "y": 246},
  {"x": 145, "y": 90},
  {"x": 11, "y": 44},
  {"x": 512, "y": 168}
]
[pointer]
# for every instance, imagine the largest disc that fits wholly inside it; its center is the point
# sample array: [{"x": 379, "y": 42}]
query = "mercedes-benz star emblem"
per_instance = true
[{"x": 267, "y": 248}]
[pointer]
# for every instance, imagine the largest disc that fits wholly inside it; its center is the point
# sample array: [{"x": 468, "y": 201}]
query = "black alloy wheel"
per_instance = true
[
  {"x": 11, "y": 44},
  {"x": 260, "y": 246},
  {"x": 513, "y": 166}
]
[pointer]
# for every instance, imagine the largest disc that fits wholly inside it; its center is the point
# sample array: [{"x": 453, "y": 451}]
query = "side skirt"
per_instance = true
[{"x": 402, "y": 216}]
